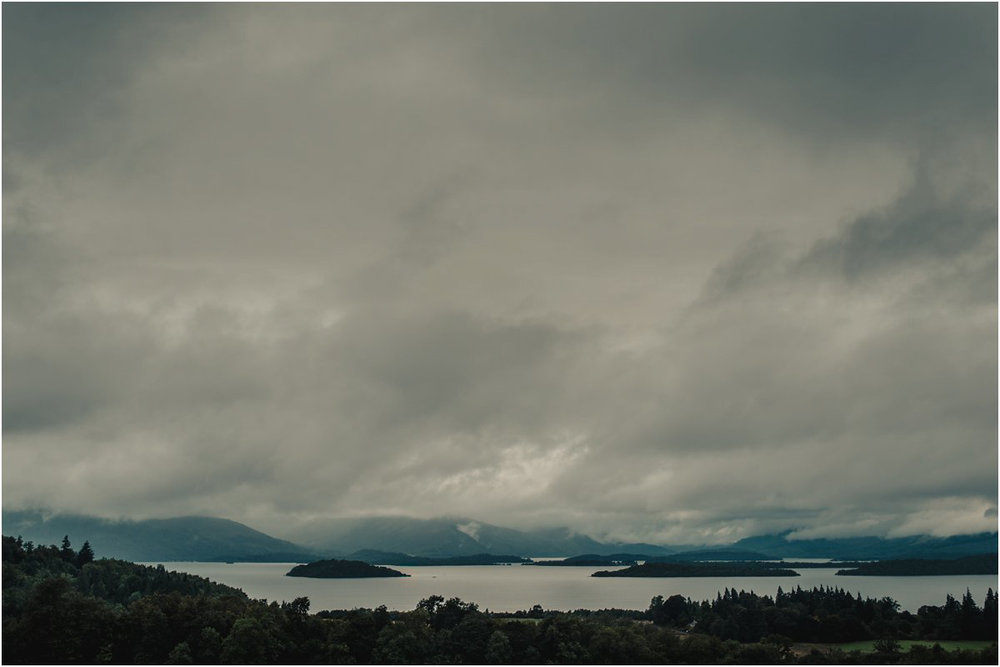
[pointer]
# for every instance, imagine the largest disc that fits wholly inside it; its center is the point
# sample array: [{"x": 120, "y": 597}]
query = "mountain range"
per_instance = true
[
  {"x": 872, "y": 548},
  {"x": 454, "y": 536},
  {"x": 189, "y": 538},
  {"x": 214, "y": 539}
]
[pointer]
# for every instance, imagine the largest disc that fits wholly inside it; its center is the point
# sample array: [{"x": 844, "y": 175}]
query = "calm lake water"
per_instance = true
[{"x": 513, "y": 587}]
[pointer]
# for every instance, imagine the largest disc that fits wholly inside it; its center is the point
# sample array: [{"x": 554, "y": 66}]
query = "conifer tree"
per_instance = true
[
  {"x": 990, "y": 611},
  {"x": 85, "y": 556}
]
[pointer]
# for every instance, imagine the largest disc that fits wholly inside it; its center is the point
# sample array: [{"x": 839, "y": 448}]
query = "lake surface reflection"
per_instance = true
[{"x": 513, "y": 587}]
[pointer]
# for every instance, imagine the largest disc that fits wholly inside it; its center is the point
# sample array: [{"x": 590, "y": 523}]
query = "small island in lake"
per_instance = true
[
  {"x": 688, "y": 569},
  {"x": 593, "y": 560},
  {"x": 342, "y": 569},
  {"x": 375, "y": 557}
]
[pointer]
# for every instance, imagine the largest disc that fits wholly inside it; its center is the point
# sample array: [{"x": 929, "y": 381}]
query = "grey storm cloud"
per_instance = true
[{"x": 658, "y": 272}]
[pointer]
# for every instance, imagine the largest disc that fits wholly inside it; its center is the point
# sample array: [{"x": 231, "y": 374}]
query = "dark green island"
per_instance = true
[
  {"x": 342, "y": 569},
  {"x": 922, "y": 567},
  {"x": 698, "y": 570},
  {"x": 593, "y": 560},
  {"x": 375, "y": 557}
]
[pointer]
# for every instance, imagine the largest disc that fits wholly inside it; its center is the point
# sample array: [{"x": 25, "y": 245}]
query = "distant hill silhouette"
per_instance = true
[
  {"x": 872, "y": 548},
  {"x": 445, "y": 537},
  {"x": 215, "y": 539},
  {"x": 192, "y": 538}
]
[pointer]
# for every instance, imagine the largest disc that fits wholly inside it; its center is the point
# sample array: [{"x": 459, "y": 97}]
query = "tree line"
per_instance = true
[
  {"x": 62, "y": 606},
  {"x": 826, "y": 615}
]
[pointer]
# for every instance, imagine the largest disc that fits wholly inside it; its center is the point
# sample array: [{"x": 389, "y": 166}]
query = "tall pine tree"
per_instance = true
[
  {"x": 85, "y": 556},
  {"x": 66, "y": 550}
]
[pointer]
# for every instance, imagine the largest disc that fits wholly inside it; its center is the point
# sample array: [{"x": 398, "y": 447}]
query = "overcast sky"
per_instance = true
[{"x": 658, "y": 272}]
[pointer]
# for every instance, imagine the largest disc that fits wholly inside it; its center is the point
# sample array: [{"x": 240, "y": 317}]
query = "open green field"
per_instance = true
[{"x": 905, "y": 644}]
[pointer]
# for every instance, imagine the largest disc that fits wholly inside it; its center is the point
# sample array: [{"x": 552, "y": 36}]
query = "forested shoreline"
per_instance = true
[
  {"x": 686, "y": 569},
  {"x": 62, "y": 606},
  {"x": 922, "y": 567}
]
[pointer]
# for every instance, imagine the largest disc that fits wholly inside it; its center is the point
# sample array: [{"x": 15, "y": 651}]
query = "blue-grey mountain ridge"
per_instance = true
[{"x": 196, "y": 538}]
